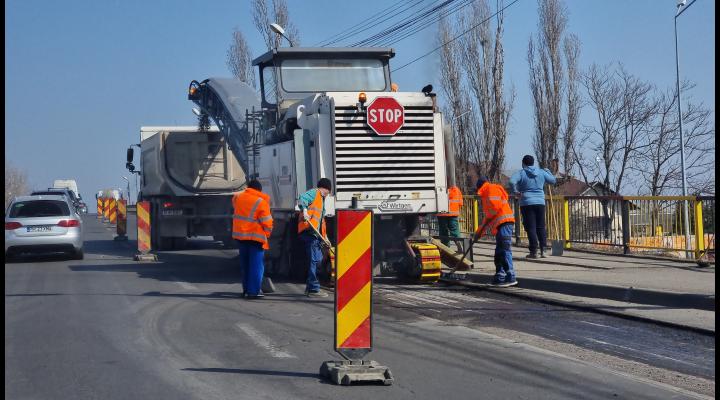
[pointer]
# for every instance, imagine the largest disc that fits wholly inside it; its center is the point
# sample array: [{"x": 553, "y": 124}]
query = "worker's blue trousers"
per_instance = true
[
  {"x": 504, "y": 271},
  {"x": 251, "y": 262},
  {"x": 314, "y": 255}
]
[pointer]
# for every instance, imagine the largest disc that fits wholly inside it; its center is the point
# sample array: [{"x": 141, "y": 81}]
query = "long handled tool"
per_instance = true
[
  {"x": 327, "y": 242},
  {"x": 451, "y": 274}
]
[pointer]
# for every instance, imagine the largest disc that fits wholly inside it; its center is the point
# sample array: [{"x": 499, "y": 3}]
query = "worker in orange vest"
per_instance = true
[
  {"x": 311, "y": 223},
  {"x": 448, "y": 224},
  {"x": 252, "y": 225},
  {"x": 500, "y": 220}
]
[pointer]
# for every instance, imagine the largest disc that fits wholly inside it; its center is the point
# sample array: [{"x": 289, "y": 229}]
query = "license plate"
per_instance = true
[
  {"x": 172, "y": 212},
  {"x": 45, "y": 228}
]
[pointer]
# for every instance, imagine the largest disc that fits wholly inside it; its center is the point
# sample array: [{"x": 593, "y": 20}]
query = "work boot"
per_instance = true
[{"x": 319, "y": 293}]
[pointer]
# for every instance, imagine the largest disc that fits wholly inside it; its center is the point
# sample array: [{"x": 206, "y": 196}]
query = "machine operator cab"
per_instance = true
[{"x": 288, "y": 75}]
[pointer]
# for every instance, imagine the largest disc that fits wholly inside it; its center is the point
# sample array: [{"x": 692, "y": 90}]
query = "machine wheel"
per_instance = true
[
  {"x": 78, "y": 254},
  {"x": 179, "y": 243}
]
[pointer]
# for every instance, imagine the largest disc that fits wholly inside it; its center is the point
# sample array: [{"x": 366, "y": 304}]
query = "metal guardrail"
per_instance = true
[{"x": 623, "y": 224}]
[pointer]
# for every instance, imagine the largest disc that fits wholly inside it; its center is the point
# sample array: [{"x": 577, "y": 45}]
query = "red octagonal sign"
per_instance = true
[{"x": 385, "y": 116}]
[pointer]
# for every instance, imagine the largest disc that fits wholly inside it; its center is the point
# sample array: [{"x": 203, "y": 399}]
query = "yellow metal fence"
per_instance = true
[{"x": 627, "y": 224}]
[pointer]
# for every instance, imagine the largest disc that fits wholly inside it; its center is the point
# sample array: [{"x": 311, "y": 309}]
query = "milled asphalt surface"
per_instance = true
[{"x": 110, "y": 328}]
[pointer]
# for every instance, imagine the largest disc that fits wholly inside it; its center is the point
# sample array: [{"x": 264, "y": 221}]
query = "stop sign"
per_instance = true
[{"x": 385, "y": 116}]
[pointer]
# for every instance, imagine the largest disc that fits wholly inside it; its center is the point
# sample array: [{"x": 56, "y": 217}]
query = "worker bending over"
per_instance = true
[
  {"x": 499, "y": 219},
  {"x": 310, "y": 226}
]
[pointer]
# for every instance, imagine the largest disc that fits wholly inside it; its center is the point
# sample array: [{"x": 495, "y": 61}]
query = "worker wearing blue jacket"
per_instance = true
[{"x": 529, "y": 182}]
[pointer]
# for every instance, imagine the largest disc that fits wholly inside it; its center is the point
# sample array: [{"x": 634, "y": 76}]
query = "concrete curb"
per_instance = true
[
  {"x": 549, "y": 261},
  {"x": 512, "y": 292},
  {"x": 611, "y": 292}
]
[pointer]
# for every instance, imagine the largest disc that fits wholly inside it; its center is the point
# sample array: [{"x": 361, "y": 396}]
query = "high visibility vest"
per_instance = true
[
  {"x": 251, "y": 216},
  {"x": 495, "y": 206},
  {"x": 315, "y": 212},
  {"x": 455, "y": 200}
]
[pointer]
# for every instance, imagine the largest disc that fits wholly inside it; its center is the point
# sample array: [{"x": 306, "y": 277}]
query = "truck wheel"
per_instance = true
[
  {"x": 165, "y": 243},
  {"x": 179, "y": 243}
]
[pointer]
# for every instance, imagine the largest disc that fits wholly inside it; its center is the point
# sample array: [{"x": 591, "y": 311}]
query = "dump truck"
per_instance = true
[
  {"x": 330, "y": 113},
  {"x": 189, "y": 176}
]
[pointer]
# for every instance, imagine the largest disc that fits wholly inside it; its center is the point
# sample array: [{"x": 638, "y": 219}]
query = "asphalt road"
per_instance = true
[{"x": 110, "y": 328}]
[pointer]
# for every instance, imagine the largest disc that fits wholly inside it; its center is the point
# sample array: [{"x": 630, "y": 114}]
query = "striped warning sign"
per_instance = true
[
  {"x": 143, "y": 226},
  {"x": 106, "y": 209},
  {"x": 112, "y": 214},
  {"x": 121, "y": 217},
  {"x": 99, "y": 207},
  {"x": 353, "y": 283}
]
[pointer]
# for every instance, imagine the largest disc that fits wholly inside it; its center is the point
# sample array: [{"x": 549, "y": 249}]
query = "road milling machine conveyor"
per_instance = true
[{"x": 311, "y": 121}]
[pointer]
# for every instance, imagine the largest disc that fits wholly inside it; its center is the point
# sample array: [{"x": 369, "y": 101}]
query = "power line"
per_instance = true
[
  {"x": 325, "y": 42},
  {"x": 374, "y": 20},
  {"x": 404, "y": 35},
  {"x": 407, "y": 23},
  {"x": 456, "y": 37}
]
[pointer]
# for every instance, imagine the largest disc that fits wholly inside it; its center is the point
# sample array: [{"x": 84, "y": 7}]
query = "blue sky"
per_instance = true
[{"x": 82, "y": 76}]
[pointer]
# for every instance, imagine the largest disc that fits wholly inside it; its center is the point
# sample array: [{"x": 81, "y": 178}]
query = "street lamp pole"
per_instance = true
[
  {"x": 681, "y": 7},
  {"x": 128, "y": 188}
]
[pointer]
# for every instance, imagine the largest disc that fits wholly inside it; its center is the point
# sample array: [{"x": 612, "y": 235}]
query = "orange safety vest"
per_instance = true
[
  {"x": 315, "y": 212},
  {"x": 455, "y": 200},
  {"x": 495, "y": 206},
  {"x": 251, "y": 216}
]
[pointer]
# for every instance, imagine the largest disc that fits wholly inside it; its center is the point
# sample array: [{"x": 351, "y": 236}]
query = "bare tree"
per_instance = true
[
  {"x": 239, "y": 59},
  {"x": 574, "y": 102},
  {"x": 623, "y": 106},
  {"x": 15, "y": 183},
  {"x": 457, "y": 102},
  {"x": 658, "y": 162},
  {"x": 483, "y": 61},
  {"x": 547, "y": 78},
  {"x": 279, "y": 14}
]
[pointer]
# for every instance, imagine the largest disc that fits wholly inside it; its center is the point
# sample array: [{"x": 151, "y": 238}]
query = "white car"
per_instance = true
[{"x": 45, "y": 223}]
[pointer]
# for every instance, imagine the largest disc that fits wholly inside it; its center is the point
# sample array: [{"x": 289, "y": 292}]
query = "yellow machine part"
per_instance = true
[{"x": 429, "y": 257}]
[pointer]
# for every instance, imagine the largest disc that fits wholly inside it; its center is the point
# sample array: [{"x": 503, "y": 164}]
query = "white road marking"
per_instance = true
[
  {"x": 604, "y": 326},
  {"x": 184, "y": 285},
  {"x": 263, "y": 341},
  {"x": 642, "y": 352}
]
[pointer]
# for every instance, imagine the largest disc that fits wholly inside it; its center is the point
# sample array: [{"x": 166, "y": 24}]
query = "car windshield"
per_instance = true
[
  {"x": 39, "y": 208},
  {"x": 324, "y": 75}
]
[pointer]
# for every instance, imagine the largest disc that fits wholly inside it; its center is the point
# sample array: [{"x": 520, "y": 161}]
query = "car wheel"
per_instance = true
[{"x": 78, "y": 254}]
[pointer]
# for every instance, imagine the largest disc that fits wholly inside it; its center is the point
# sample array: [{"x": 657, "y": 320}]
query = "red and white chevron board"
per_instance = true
[
  {"x": 143, "y": 226},
  {"x": 353, "y": 281}
]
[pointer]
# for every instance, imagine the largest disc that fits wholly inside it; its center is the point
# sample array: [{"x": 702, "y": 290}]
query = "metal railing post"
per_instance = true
[
  {"x": 625, "y": 207},
  {"x": 699, "y": 233},
  {"x": 566, "y": 221},
  {"x": 476, "y": 223}
]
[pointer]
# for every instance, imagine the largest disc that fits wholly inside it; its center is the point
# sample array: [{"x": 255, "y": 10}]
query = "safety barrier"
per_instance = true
[
  {"x": 106, "y": 209},
  {"x": 621, "y": 224},
  {"x": 143, "y": 227},
  {"x": 112, "y": 214},
  {"x": 121, "y": 228},
  {"x": 99, "y": 207}
]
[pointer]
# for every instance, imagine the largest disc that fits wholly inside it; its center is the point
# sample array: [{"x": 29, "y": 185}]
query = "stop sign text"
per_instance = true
[{"x": 385, "y": 116}]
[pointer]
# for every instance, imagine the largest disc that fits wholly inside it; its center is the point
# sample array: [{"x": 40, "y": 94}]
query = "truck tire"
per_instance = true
[
  {"x": 179, "y": 243},
  {"x": 165, "y": 243}
]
